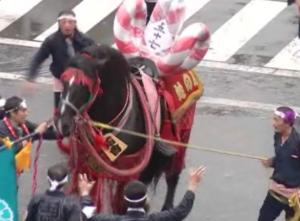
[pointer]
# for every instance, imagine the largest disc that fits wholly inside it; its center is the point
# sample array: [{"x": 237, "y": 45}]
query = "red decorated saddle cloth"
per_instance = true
[{"x": 183, "y": 90}]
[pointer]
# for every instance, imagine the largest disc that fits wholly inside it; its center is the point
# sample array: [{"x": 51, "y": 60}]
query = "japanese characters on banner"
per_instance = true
[{"x": 158, "y": 38}]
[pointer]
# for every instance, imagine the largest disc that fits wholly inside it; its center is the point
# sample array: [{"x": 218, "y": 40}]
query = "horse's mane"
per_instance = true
[{"x": 104, "y": 60}]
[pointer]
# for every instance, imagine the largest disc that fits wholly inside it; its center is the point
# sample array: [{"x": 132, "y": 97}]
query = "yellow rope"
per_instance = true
[{"x": 176, "y": 143}]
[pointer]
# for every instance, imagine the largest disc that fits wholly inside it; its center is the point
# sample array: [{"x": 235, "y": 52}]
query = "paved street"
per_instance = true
[{"x": 234, "y": 187}]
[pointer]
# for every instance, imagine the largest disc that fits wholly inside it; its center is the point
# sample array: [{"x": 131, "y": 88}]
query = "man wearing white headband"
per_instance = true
[
  {"x": 61, "y": 45},
  {"x": 15, "y": 124},
  {"x": 135, "y": 198},
  {"x": 285, "y": 181},
  {"x": 54, "y": 204},
  {"x": 2, "y": 112}
]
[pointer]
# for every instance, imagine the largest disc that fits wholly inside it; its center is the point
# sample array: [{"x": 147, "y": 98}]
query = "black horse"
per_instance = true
[{"x": 107, "y": 70}]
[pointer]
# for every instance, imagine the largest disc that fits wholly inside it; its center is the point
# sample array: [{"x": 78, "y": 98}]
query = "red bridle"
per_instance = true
[{"x": 80, "y": 78}]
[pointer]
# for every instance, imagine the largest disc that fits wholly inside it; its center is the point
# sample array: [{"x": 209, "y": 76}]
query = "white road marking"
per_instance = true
[
  {"x": 88, "y": 13},
  {"x": 238, "y": 30},
  {"x": 11, "y": 10},
  {"x": 288, "y": 57}
]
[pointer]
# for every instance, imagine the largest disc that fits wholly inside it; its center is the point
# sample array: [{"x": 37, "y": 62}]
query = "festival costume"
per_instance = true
[{"x": 285, "y": 180}]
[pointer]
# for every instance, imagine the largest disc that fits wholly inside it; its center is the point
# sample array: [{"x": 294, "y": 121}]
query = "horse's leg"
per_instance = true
[
  {"x": 172, "y": 182},
  {"x": 173, "y": 178}
]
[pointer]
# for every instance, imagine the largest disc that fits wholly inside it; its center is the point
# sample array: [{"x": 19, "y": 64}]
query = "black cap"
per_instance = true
[{"x": 135, "y": 192}]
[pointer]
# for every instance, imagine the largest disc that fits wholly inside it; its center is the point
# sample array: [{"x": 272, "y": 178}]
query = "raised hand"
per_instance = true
[
  {"x": 195, "y": 177},
  {"x": 84, "y": 185}
]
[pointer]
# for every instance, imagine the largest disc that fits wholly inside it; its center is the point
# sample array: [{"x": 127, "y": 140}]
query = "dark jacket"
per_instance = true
[
  {"x": 50, "y": 133},
  {"x": 55, "y": 206},
  {"x": 177, "y": 214},
  {"x": 286, "y": 162},
  {"x": 56, "y": 46}
]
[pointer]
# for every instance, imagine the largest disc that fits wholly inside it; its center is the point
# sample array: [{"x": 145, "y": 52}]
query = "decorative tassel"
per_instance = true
[
  {"x": 23, "y": 158},
  {"x": 7, "y": 142},
  {"x": 65, "y": 148},
  {"x": 100, "y": 142}
]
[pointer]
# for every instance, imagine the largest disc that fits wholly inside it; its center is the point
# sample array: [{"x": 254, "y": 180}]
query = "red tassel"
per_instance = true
[
  {"x": 65, "y": 148},
  {"x": 100, "y": 142}
]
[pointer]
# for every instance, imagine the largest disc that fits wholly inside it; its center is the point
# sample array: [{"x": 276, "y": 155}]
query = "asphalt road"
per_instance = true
[{"x": 233, "y": 188}]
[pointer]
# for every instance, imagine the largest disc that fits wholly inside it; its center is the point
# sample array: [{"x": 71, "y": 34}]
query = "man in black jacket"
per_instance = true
[
  {"x": 61, "y": 45},
  {"x": 135, "y": 197},
  {"x": 285, "y": 181},
  {"x": 54, "y": 204}
]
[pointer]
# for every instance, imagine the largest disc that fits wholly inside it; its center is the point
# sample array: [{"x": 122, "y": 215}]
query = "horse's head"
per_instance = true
[
  {"x": 83, "y": 82},
  {"x": 81, "y": 86}
]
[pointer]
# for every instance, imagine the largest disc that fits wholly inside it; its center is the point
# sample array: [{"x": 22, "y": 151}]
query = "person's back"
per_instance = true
[
  {"x": 135, "y": 197},
  {"x": 178, "y": 213},
  {"x": 54, "y": 205}
]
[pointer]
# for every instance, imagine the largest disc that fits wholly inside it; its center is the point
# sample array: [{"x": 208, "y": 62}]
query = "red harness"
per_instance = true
[{"x": 88, "y": 141}]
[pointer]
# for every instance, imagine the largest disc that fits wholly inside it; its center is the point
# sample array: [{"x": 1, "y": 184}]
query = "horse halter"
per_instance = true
[{"x": 77, "y": 76}]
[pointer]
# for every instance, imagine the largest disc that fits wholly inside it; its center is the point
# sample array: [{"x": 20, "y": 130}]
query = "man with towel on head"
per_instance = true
[
  {"x": 285, "y": 181},
  {"x": 136, "y": 201},
  {"x": 61, "y": 45},
  {"x": 54, "y": 204}
]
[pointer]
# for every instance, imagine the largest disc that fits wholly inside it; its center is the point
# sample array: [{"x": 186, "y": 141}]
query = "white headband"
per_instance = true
[
  {"x": 69, "y": 17},
  {"x": 279, "y": 114},
  {"x": 54, "y": 183},
  {"x": 282, "y": 114},
  {"x": 135, "y": 201},
  {"x": 2, "y": 102},
  {"x": 23, "y": 104}
]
